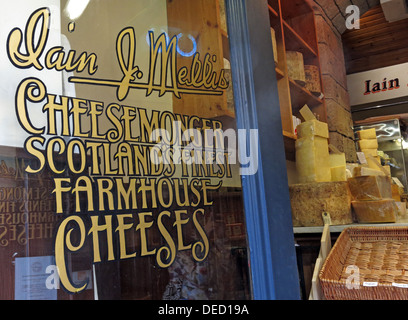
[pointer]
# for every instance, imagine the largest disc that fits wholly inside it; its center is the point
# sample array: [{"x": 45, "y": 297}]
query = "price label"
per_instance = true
[
  {"x": 400, "y": 285},
  {"x": 361, "y": 157},
  {"x": 370, "y": 284}
]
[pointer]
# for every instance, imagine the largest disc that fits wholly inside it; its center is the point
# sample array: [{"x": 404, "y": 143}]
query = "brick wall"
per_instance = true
[{"x": 330, "y": 22}]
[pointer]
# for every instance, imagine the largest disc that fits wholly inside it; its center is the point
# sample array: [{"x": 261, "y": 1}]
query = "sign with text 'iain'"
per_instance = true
[{"x": 378, "y": 84}]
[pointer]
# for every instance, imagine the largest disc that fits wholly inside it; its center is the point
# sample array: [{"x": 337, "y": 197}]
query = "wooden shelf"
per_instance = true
[
  {"x": 301, "y": 96},
  {"x": 279, "y": 73},
  {"x": 294, "y": 42},
  {"x": 273, "y": 11},
  {"x": 295, "y": 30},
  {"x": 273, "y": 6},
  {"x": 289, "y": 135},
  {"x": 340, "y": 228},
  {"x": 289, "y": 140}
]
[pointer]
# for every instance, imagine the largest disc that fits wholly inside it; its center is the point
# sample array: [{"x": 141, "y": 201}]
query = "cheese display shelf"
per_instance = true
[
  {"x": 363, "y": 193},
  {"x": 332, "y": 195},
  {"x": 340, "y": 228},
  {"x": 297, "y": 65}
]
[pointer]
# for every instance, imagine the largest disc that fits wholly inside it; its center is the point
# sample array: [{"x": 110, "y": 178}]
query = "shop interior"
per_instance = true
[{"x": 342, "y": 84}]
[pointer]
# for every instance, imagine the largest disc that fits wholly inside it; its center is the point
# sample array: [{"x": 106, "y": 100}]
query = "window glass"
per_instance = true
[{"x": 119, "y": 175}]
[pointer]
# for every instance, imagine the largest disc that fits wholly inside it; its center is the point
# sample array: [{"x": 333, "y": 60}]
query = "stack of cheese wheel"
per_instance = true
[
  {"x": 372, "y": 199},
  {"x": 368, "y": 144}
]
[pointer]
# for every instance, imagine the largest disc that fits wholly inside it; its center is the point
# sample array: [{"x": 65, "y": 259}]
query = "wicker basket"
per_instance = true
[{"x": 367, "y": 263}]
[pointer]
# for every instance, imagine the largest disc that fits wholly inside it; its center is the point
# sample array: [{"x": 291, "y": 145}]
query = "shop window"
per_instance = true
[{"x": 119, "y": 175}]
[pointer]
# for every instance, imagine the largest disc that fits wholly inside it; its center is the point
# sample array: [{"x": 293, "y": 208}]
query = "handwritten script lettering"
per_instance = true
[{"x": 200, "y": 79}]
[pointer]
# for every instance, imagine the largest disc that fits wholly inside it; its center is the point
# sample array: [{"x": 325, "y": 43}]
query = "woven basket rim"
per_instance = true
[
  {"x": 346, "y": 232},
  {"x": 336, "y": 287}
]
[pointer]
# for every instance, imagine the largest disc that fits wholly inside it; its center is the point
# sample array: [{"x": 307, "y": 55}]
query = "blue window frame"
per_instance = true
[{"x": 266, "y": 194}]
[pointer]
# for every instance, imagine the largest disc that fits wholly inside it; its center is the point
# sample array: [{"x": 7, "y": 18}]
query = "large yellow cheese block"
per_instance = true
[
  {"x": 338, "y": 173},
  {"x": 370, "y": 187},
  {"x": 375, "y": 211},
  {"x": 368, "y": 144},
  {"x": 337, "y": 159},
  {"x": 310, "y": 200},
  {"x": 306, "y": 113},
  {"x": 337, "y": 163},
  {"x": 313, "y": 128},
  {"x": 367, "y": 134},
  {"x": 312, "y": 159}
]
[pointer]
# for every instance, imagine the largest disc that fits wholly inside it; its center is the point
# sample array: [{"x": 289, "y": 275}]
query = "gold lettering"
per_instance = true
[
  {"x": 51, "y": 107},
  {"x": 59, "y": 189},
  {"x": 147, "y": 126},
  {"x": 71, "y": 155},
  {"x": 96, "y": 109},
  {"x": 33, "y": 50},
  {"x": 171, "y": 249},
  {"x": 123, "y": 194},
  {"x": 107, "y": 191},
  {"x": 142, "y": 226},
  {"x": 114, "y": 135},
  {"x": 87, "y": 188},
  {"x": 51, "y": 150},
  {"x": 26, "y": 91},
  {"x": 124, "y": 152},
  {"x": 178, "y": 223},
  {"x": 35, "y": 152},
  {"x": 177, "y": 191},
  {"x": 129, "y": 70},
  {"x": 94, "y": 146},
  {"x": 203, "y": 245},
  {"x": 168, "y": 53},
  {"x": 160, "y": 192},
  {"x": 36, "y": 36},
  {"x": 144, "y": 189},
  {"x": 77, "y": 111},
  {"x": 122, "y": 239},
  {"x": 70, "y": 64},
  {"x": 60, "y": 242},
  {"x": 95, "y": 229}
]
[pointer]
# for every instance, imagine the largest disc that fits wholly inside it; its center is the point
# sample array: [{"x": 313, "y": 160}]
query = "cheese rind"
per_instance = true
[
  {"x": 310, "y": 200},
  {"x": 370, "y": 187},
  {"x": 312, "y": 159},
  {"x": 367, "y": 134},
  {"x": 401, "y": 208},
  {"x": 376, "y": 211}
]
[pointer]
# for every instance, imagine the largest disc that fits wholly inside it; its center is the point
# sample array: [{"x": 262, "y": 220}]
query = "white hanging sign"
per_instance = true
[{"x": 378, "y": 84}]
